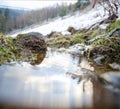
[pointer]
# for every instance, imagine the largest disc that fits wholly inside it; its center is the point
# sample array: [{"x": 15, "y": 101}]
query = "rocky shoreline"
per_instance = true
[{"x": 99, "y": 46}]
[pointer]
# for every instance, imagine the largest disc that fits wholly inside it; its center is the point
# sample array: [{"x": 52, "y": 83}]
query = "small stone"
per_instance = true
[
  {"x": 115, "y": 66},
  {"x": 98, "y": 60}
]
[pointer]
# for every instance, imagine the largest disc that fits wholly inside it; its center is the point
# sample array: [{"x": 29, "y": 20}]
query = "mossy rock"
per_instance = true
[
  {"x": 9, "y": 49},
  {"x": 29, "y": 47},
  {"x": 113, "y": 25},
  {"x": 107, "y": 47},
  {"x": 20, "y": 36},
  {"x": 33, "y": 41}
]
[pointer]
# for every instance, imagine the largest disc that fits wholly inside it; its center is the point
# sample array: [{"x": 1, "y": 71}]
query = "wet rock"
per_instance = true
[
  {"x": 99, "y": 60},
  {"x": 115, "y": 66},
  {"x": 35, "y": 34},
  {"x": 109, "y": 48},
  {"x": 113, "y": 78},
  {"x": 33, "y": 47},
  {"x": 33, "y": 41},
  {"x": 77, "y": 49}
]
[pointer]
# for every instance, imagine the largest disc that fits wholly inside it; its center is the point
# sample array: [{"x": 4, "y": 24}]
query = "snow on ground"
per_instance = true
[
  {"x": 119, "y": 13},
  {"x": 78, "y": 21}
]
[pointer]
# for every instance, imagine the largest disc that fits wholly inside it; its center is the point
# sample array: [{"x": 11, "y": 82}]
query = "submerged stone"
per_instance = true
[
  {"x": 115, "y": 66},
  {"x": 98, "y": 60}
]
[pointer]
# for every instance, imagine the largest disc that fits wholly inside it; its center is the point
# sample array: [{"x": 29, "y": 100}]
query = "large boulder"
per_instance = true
[
  {"x": 33, "y": 47},
  {"x": 33, "y": 41}
]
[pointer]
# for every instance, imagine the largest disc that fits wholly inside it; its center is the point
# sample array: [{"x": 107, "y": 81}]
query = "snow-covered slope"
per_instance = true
[{"x": 79, "y": 20}]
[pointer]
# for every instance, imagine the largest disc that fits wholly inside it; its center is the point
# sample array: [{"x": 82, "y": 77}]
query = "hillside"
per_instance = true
[
  {"x": 13, "y": 12},
  {"x": 80, "y": 20}
]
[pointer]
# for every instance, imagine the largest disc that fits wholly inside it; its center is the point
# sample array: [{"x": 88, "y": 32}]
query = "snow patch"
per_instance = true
[
  {"x": 78, "y": 21},
  {"x": 104, "y": 26}
]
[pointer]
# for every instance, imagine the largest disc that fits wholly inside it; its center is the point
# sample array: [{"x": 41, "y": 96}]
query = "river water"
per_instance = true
[{"x": 48, "y": 86}]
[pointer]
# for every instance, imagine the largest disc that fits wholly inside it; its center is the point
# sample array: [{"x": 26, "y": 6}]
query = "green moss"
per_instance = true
[
  {"x": 10, "y": 50},
  {"x": 62, "y": 43},
  {"x": 66, "y": 41},
  {"x": 81, "y": 36},
  {"x": 94, "y": 33},
  {"x": 77, "y": 38},
  {"x": 1, "y": 35},
  {"x": 59, "y": 42},
  {"x": 107, "y": 47},
  {"x": 113, "y": 25},
  {"x": 54, "y": 34},
  {"x": 102, "y": 41},
  {"x": 20, "y": 36}
]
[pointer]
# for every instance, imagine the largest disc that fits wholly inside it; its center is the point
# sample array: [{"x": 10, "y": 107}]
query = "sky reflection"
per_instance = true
[{"x": 44, "y": 85}]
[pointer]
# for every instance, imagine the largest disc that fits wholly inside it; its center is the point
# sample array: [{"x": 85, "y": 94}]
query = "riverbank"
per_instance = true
[
  {"x": 99, "y": 45},
  {"x": 104, "y": 46},
  {"x": 66, "y": 69},
  {"x": 30, "y": 47}
]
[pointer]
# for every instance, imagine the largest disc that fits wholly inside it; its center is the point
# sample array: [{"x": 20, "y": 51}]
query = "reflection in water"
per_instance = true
[
  {"x": 47, "y": 85},
  {"x": 40, "y": 57}
]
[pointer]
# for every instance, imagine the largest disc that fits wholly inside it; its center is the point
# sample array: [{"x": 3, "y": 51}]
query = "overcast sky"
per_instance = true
[{"x": 33, "y": 4}]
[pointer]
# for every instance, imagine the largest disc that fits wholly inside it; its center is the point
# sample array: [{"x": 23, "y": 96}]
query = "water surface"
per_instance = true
[{"x": 47, "y": 85}]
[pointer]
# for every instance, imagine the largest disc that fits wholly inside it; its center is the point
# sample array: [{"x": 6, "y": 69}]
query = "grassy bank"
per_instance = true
[
  {"x": 20, "y": 49},
  {"x": 109, "y": 47}
]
